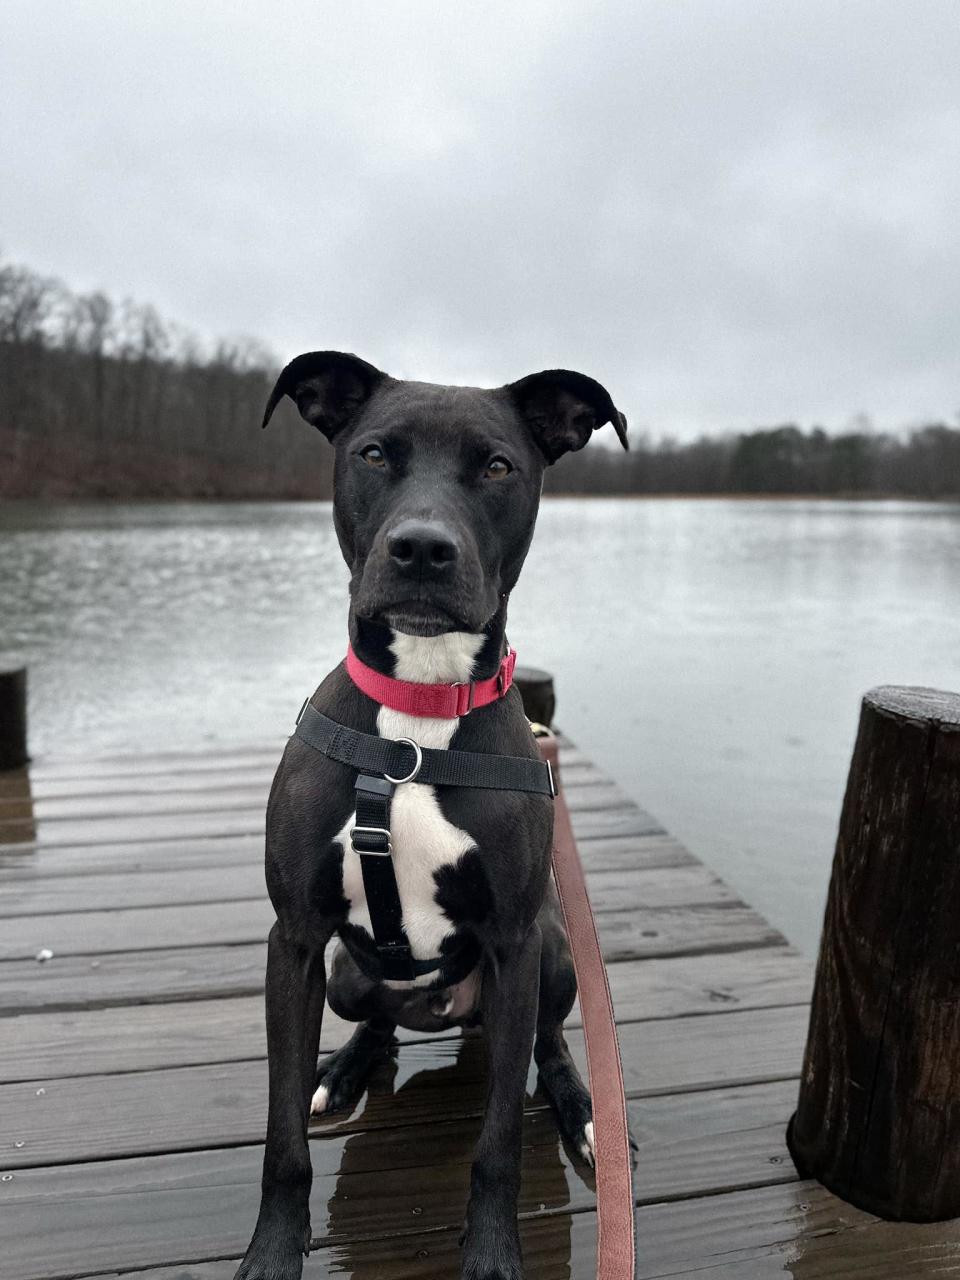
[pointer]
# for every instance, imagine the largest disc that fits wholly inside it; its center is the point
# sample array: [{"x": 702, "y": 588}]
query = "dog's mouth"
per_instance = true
[{"x": 419, "y": 618}]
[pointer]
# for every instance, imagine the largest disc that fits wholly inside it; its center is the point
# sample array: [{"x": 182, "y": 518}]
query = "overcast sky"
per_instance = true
[{"x": 731, "y": 212}]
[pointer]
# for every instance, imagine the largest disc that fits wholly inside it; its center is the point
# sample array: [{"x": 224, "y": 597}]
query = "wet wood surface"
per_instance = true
[
  {"x": 220, "y": 1103},
  {"x": 133, "y": 1069},
  {"x": 130, "y": 1037},
  {"x": 680, "y": 886},
  {"x": 878, "y": 1118}
]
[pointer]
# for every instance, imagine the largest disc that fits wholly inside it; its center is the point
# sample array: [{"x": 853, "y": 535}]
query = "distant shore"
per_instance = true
[
  {"x": 764, "y": 497},
  {"x": 106, "y": 401},
  {"x": 234, "y": 499}
]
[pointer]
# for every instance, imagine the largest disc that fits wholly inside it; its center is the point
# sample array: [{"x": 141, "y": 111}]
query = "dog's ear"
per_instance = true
[
  {"x": 328, "y": 387},
  {"x": 563, "y": 409}
]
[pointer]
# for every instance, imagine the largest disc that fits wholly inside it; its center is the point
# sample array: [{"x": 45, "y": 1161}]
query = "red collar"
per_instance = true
[{"x": 440, "y": 701}]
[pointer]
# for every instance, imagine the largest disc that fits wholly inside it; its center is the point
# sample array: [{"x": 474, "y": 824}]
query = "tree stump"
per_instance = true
[
  {"x": 536, "y": 690},
  {"x": 878, "y": 1117},
  {"x": 13, "y": 718}
]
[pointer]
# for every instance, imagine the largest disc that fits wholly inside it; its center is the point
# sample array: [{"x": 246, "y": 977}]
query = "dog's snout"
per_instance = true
[{"x": 422, "y": 549}]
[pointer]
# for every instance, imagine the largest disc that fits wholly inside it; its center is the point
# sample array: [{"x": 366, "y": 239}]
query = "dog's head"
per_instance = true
[{"x": 436, "y": 488}]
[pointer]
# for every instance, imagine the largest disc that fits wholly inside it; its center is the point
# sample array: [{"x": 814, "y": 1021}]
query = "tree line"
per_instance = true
[
  {"x": 106, "y": 399},
  {"x": 100, "y": 399},
  {"x": 781, "y": 460}
]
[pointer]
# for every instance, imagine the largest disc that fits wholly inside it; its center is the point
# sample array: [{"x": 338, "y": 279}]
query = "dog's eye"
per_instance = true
[
  {"x": 373, "y": 456},
  {"x": 497, "y": 469}
]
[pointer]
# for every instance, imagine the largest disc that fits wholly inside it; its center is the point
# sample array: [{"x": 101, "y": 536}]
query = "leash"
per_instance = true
[{"x": 616, "y": 1220}]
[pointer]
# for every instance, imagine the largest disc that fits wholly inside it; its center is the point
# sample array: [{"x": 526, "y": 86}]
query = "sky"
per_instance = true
[{"x": 731, "y": 212}]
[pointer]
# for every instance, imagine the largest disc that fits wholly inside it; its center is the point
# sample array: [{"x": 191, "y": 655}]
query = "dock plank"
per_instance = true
[
  {"x": 622, "y": 820},
  {"x": 211, "y": 759},
  {"x": 197, "y": 973},
  {"x": 19, "y": 786},
  {"x": 133, "y": 1070},
  {"x": 763, "y": 1232},
  {"x": 372, "y": 1181},
  {"x": 149, "y": 1036},
  {"x": 624, "y": 933},
  {"x": 163, "y": 975},
  {"x": 830, "y": 1246},
  {"x": 216, "y": 756},
  {"x": 63, "y": 778},
  {"x": 798, "y": 1229},
  {"x": 107, "y": 1116},
  {"x": 585, "y": 791},
  {"x": 27, "y": 862},
  {"x": 30, "y": 860},
  {"x": 24, "y": 895}
]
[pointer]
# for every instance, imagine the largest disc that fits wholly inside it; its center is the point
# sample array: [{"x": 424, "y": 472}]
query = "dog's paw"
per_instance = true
[
  {"x": 265, "y": 1264},
  {"x": 336, "y": 1093},
  {"x": 341, "y": 1080},
  {"x": 587, "y": 1147},
  {"x": 491, "y": 1254},
  {"x": 276, "y": 1252},
  {"x": 492, "y": 1269}
]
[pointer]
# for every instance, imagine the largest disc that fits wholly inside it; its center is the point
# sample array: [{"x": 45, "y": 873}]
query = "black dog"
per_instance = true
[{"x": 436, "y": 496}]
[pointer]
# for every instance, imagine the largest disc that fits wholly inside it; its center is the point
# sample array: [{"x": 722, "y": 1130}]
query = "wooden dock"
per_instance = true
[{"x": 133, "y": 1092}]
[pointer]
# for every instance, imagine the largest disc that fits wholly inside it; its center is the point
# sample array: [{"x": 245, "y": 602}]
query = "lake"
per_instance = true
[{"x": 709, "y": 654}]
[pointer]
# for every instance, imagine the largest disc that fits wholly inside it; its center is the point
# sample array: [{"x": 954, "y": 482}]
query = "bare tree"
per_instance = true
[{"x": 97, "y": 398}]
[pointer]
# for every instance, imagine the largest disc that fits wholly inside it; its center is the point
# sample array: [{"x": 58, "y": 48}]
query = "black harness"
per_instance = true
[{"x": 382, "y": 765}]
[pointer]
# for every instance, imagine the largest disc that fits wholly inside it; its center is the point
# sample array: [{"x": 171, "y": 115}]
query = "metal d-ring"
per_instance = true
[{"x": 417, "y": 764}]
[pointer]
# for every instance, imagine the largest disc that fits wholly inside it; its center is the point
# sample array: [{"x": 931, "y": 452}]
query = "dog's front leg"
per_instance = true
[
  {"x": 296, "y": 987},
  {"x": 491, "y": 1243}
]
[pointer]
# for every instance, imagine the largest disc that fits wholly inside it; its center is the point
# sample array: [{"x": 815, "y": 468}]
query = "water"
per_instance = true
[{"x": 710, "y": 655}]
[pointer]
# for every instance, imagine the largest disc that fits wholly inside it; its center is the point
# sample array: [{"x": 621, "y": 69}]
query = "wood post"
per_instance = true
[
  {"x": 878, "y": 1117},
  {"x": 13, "y": 718},
  {"x": 536, "y": 690}
]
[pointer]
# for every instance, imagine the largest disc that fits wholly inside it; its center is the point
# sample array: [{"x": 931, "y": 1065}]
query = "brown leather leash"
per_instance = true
[{"x": 616, "y": 1221}]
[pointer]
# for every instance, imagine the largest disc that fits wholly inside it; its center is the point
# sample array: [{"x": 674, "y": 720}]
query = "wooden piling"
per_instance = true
[
  {"x": 13, "y": 718},
  {"x": 878, "y": 1116},
  {"x": 536, "y": 689}
]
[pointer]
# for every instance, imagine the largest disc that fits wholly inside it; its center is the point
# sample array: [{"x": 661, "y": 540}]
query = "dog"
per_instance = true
[{"x": 436, "y": 492}]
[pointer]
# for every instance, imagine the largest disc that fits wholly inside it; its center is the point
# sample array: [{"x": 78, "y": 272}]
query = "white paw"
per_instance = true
[
  {"x": 587, "y": 1148},
  {"x": 318, "y": 1103}
]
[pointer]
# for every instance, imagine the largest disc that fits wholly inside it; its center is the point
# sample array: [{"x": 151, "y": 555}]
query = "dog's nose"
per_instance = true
[{"x": 422, "y": 549}]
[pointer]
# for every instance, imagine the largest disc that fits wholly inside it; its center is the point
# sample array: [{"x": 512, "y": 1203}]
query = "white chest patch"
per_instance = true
[{"x": 423, "y": 840}]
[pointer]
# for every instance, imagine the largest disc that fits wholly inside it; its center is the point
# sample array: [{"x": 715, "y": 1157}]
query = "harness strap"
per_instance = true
[
  {"x": 447, "y": 969},
  {"x": 404, "y": 761},
  {"x": 370, "y": 839},
  {"x": 384, "y": 765}
]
